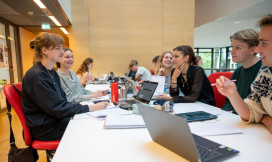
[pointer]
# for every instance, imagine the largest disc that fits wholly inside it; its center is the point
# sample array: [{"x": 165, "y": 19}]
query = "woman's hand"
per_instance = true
[
  {"x": 178, "y": 71},
  {"x": 226, "y": 89},
  {"x": 96, "y": 94},
  {"x": 164, "y": 97},
  {"x": 91, "y": 78},
  {"x": 161, "y": 71},
  {"x": 98, "y": 106},
  {"x": 104, "y": 92}
]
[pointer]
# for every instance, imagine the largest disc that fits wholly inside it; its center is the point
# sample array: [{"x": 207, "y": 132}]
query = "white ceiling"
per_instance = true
[{"x": 217, "y": 33}]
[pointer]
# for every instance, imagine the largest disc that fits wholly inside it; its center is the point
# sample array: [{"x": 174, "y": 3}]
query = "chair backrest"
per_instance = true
[
  {"x": 219, "y": 98},
  {"x": 14, "y": 99}
]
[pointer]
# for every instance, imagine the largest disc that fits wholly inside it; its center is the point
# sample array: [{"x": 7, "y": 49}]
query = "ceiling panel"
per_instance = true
[{"x": 17, "y": 12}]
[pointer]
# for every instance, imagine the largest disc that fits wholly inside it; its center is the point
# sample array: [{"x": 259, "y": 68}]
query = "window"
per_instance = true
[{"x": 216, "y": 59}]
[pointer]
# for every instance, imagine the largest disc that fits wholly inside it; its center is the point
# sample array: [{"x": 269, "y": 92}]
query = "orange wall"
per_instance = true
[{"x": 27, "y": 54}]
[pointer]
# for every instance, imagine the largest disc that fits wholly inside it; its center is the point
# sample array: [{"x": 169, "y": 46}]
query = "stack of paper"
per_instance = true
[
  {"x": 109, "y": 111},
  {"x": 212, "y": 129},
  {"x": 124, "y": 121},
  {"x": 81, "y": 116}
]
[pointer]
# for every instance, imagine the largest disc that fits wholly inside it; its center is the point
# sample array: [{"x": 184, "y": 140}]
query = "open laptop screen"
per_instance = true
[{"x": 146, "y": 92}]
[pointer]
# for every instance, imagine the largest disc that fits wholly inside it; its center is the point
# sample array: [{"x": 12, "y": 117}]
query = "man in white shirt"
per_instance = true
[{"x": 142, "y": 74}]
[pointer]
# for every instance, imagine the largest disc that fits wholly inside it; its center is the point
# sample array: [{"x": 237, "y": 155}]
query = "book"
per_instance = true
[{"x": 124, "y": 121}]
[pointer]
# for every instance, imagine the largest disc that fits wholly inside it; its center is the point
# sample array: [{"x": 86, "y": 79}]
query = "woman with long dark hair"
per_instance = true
[{"x": 189, "y": 82}]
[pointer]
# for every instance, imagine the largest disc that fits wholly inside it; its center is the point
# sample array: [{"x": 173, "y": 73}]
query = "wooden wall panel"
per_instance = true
[
  {"x": 178, "y": 23},
  {"x": 120, "y": 30},
  {"x": 79, "y": 39}
]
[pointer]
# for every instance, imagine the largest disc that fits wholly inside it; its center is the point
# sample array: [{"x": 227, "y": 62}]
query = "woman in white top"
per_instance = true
[
  {"x": 164, "y": 67},
  {"x": 70, "y": 84},
  {"x": 84, "y": 72}
]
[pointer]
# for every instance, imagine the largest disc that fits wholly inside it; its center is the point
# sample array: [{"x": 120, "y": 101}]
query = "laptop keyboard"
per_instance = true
[
  {"x": 206, "y": 154},
  {"x": 130, "y": 101}
]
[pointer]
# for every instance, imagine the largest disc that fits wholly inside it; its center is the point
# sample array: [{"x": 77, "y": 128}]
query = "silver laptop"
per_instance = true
[
  {"x": 173, "y": 132},
  {"x": 144, "y": 95}
]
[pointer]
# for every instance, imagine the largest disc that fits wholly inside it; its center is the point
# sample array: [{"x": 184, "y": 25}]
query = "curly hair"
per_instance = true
[
  {"x": 44, "y": 39},
  {"x": 159, "y": 62},
  {"x": 84, "y": 66}
]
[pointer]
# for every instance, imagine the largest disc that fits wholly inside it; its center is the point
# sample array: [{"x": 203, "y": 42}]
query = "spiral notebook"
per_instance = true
[{"x": 124, "y": 121}]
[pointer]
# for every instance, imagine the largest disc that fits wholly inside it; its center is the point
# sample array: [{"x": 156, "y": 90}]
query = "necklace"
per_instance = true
[{"x": 52, "y": 78}]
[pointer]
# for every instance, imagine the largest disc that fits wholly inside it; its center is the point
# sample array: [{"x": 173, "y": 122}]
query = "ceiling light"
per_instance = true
[
  {"x": 39, "y": 3},
  {"x": 30, "y": 13},
  {"x": 64, "y": 30},
  {"x": 54, "y": 20},
  {"x": 1, "y": 36},
  {"x": 237, "y": 22}
]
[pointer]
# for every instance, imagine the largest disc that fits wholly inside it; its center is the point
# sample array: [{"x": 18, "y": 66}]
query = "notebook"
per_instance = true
[
  {"x": 197, "y": 116},
  {"x": 144, "y": 95},
  {"x": 109, "y": 111},
  {"x": 114, "y": 121},
  {"x": 173, "y": 132}
]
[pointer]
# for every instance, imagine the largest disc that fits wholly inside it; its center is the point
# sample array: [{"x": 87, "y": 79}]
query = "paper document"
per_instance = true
[
  {"x": 109, "y": 111},
  {"x": 124, "y": 121},
  {"x": 95, "y": 87},
  {"x": 160, "y": 87},
  {"x": 212, "y": 128},
  {"x": 96, "y": 99},
  {"x": 81, "y": 116}
]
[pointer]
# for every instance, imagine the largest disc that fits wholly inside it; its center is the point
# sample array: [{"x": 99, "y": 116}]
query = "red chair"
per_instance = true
[
  {"x": 14, "y": 99},
  {"x": 219, "y": 98}
]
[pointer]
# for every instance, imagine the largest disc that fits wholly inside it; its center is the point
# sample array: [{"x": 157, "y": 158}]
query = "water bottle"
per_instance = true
[
  {"x": 114, "y": 92},
  {"x": 123, "y": 91},
  {"x": 164, "y": 90}
]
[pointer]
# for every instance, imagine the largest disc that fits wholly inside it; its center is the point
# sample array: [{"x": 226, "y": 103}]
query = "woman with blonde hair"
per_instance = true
[
  {"x": 84, "y": 72},
  {"x": 46, "y": 109},
  {"x": 164, "y": 66}
]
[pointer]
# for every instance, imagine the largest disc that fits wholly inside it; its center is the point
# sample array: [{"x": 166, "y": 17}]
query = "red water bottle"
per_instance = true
[{"x": 114, "y": 92}]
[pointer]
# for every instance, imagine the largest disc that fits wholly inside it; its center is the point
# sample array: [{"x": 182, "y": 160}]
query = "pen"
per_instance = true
[
  {"x": 214, "y": 84},
  {"x": 96, "y": 101}
]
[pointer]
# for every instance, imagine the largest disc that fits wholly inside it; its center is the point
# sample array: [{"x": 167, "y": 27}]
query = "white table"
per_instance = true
[{"x": 86, "y": 140}]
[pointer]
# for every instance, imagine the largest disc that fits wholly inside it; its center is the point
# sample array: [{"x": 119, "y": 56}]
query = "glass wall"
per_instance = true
[
  {"x": 10, "y": 62},
  {"x": 216, "y": 59}
]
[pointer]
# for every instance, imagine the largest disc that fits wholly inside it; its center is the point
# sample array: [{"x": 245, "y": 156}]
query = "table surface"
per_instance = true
[{"x": 86, "y": 140}]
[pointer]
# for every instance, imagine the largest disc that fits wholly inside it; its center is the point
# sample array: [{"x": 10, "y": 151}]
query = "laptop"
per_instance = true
[
  {"x": 144, "y": 95},
  {"x": 173, "y": 132}
]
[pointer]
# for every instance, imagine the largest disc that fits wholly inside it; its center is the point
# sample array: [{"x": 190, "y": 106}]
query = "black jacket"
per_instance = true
[
  {"x": 197, "y": 87},
  {"x": 43, "y": 100}
]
